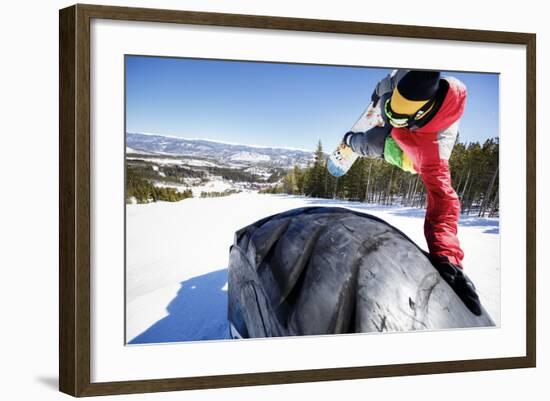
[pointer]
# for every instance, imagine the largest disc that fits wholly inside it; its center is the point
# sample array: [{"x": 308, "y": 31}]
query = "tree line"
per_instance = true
[
  {"x": 142, "y": 191},
  {"x": 219, "y": 194},
  {"x": 474, "y": 173}
]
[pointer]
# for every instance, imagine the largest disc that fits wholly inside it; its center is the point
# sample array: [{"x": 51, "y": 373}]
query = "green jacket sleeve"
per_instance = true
[{"x": 394, "y": 155}]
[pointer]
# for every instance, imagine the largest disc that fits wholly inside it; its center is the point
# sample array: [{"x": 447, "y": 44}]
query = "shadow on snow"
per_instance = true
[{"x": 198, "y": 312}]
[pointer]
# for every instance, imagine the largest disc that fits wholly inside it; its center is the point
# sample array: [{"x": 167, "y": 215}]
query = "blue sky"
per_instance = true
[{"x": 272, "y": 104}]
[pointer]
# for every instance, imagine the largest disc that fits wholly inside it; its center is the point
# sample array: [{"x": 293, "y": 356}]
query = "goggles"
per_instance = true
[
  {"x": 395, "y": 119},
  {"x": 404, "y": 120}
]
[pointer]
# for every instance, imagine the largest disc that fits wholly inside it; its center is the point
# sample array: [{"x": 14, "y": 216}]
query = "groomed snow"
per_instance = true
[{"x": 177, "y": 256}]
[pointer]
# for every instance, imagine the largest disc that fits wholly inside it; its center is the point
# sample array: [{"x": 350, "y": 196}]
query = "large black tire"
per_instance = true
[{"x": 325, "y": 270}]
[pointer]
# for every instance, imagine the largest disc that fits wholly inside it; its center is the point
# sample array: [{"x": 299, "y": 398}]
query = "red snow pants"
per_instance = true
[
  {"x": 429, "y": 148},
  {"x": 443, "y": 209}
]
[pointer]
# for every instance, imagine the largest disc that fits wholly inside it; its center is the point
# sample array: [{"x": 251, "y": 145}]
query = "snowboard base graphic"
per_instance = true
[
  {"x": 341, "y": 160},
  {"x": 343, "y": 157}
]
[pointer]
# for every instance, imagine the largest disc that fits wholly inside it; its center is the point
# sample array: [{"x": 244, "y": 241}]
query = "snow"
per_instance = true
[
  {"x": 130, "y": 150},
  {"x": 159, "y": 161},
  {"x": 177, "y": 187},
  {"x": 214, "y": 185},
  {"x": 199, "y": 163},
  {"x": 174, "y": 161},
  {"x": 262, "y": 172},
  {"x": 177, "y": 256},
  {"x": 191, "y": 181},
  {"x": 250, "y": 157}
]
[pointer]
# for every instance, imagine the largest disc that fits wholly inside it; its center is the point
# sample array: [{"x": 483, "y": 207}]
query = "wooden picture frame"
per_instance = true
[{"x": 74, "y": 199}]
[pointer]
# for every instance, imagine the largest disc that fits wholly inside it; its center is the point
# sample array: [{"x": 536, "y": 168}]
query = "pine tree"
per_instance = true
[
  {"x": 316, "y": 181},
  {"x": 474, "y": 175}
]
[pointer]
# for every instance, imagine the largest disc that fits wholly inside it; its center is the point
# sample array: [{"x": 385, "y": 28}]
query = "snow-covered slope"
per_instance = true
[
  {"x": 177, "y": 255},
  {"x": 132, "y": 151}
]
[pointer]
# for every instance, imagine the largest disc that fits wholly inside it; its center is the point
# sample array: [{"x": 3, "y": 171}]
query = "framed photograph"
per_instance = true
[{"x": 250, "y": 200}]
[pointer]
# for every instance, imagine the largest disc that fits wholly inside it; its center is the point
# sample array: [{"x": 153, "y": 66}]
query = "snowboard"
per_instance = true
[{"x": 343, "y": 157}]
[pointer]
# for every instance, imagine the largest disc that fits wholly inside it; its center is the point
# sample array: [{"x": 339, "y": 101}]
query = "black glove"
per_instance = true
[
  {"x": 460, "y": 283},
  {"x": 347, "y": 138}
]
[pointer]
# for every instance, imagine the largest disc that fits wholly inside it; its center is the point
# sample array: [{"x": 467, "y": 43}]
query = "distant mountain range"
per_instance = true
[{"x": 227, "y": 153}]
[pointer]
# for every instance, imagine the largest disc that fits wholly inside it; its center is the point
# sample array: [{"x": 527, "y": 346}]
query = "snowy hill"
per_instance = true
[
  {"x": 177, "y": 257},
  {"x": 226, "y": 153}
]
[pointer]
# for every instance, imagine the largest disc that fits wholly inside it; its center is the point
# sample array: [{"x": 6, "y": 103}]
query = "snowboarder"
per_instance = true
[{"x": 421, "y": 112}]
